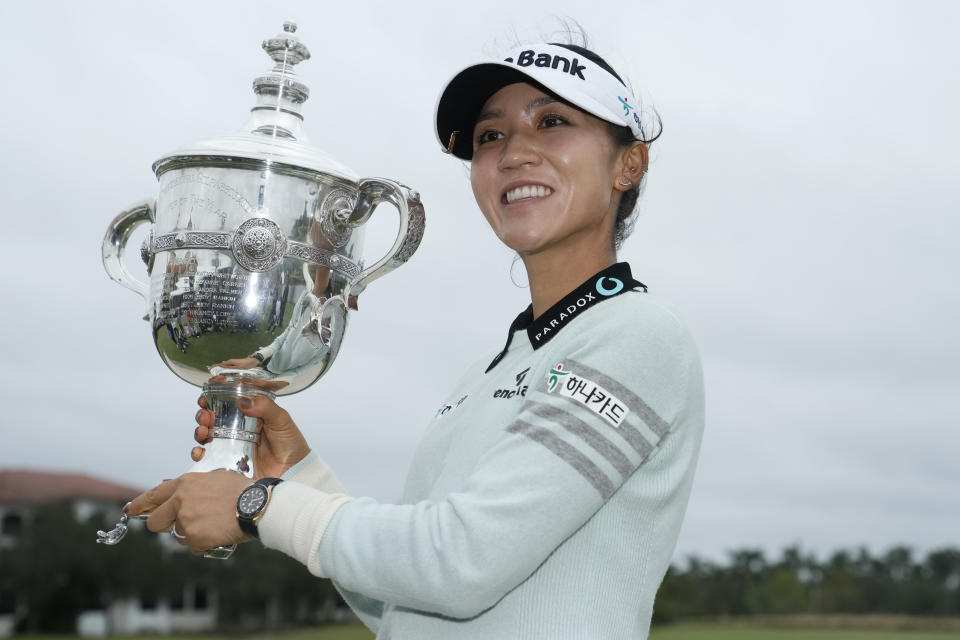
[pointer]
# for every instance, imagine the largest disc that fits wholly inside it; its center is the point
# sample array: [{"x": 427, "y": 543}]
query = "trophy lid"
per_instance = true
[{"x": 274, "y": 132}]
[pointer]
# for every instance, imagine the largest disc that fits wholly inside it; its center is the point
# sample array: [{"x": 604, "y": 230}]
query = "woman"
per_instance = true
[{"x": 546, "y": 496}]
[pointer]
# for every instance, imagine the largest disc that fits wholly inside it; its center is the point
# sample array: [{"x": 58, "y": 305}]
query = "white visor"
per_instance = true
[{"x": 564, "y": 72}]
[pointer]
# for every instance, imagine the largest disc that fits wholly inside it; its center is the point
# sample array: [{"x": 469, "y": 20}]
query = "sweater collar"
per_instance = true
[{"x": 603, "y": 285}]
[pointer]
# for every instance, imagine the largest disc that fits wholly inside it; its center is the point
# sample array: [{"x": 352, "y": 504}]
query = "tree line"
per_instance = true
[
  {"x": 55, "y": 571},
  {"x": 855, "y": 581}
]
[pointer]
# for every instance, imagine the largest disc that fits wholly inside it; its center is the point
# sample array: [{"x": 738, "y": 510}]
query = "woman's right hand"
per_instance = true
[
  {"x": 239, "y": 363},
  {"x": 281, "y": 445}
]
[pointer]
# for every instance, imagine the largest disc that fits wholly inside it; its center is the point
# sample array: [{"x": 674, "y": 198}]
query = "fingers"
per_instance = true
[
  {"x": 163, "y": 516},
  {"x": 199, "y": 507},
  {"x": 206, "y": 420},
  {"x": 202, "y": 435},
  {"x": 178, "y": 535},
  {"x": 204, "y": 417},
  {"x": 263, "y": 407},
  {"x": 266, "y": 385},
  {"x": 152, "y": 499}
]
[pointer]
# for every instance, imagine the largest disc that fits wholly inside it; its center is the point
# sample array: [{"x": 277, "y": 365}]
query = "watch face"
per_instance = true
[{"x": 251, "y": 500}]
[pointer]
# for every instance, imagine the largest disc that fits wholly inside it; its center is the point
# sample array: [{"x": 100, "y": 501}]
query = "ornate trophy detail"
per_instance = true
[{"x": 254, "y": 256}]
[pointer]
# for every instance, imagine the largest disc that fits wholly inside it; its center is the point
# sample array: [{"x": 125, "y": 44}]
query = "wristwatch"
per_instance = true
[
  {"x": 256, "y": 355},
  {"x": 252, "y": 504}
]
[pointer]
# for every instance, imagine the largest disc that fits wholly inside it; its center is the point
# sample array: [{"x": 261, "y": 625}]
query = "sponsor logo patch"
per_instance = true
[
  {"x": 519, "y": 391},
  {"x": 530, "y": 57},
  {"x": 447, "y": 408},
  {"x": 588, "y": 393},
  {"x": 609, "y": 291},
  {"x": 553, "y": 378},
  {"x": 584, "y": 301}
]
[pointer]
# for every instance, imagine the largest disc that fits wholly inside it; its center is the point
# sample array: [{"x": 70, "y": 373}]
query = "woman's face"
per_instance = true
[{"x": 543, "y": 172}]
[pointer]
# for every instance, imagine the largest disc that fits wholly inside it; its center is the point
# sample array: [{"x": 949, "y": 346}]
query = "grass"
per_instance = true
[
  {"x": 330, "y": 632},
  {"x": 687, "y": 631},
  {"x": 730, "y": 631},
  {"x": 333, "y": 632},
  {"x": 327, "y": 632},
  {"x": 210, "y": 348}
]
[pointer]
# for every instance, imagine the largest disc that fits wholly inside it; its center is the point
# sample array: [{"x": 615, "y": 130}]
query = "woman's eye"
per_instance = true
[
  {"x": 488, "y": 136},
  {"x": 552, "y": 120}
]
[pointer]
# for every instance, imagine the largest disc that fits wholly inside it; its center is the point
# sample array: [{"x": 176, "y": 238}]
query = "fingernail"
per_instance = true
[
  {"x": 245, "y": 403},
  {"x": 199, "y": 413}
]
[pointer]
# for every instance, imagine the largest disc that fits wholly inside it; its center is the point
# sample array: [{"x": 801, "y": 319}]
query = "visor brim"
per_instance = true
[{"x": 464, "y": 97}]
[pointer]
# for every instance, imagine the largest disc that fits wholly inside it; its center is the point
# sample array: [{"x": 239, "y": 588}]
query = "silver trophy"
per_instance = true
[{"x": 254, "y": 256}]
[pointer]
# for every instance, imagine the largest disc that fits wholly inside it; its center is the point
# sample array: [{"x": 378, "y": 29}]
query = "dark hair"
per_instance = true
[{"x": 622, "y": 137}]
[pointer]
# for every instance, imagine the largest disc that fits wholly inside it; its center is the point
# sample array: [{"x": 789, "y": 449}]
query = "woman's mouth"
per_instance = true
[{"x": 526, "y": 192}]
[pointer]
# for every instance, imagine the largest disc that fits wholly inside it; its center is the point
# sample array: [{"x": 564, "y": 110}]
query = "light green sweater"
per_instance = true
[{"x": 546, "y": 497}]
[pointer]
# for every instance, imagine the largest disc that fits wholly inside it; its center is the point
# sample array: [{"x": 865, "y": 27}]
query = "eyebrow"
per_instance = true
[{"x": 534, "y": 104}]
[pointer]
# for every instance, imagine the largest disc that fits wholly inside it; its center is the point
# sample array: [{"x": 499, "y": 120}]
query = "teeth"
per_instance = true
[{"x": 528, "y": 191}]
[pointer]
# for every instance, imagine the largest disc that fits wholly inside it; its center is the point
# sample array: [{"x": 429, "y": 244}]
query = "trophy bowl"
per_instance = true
[{"x": 254, "y": 256}]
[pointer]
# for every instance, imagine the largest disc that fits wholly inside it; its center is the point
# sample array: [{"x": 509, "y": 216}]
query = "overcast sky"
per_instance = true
[{"x": 801, "y": 213}]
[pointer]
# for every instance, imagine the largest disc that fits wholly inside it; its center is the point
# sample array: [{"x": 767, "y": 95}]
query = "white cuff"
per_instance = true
[
  {"x": 314, "y": 472},
  {"x": 267, "y": 352},
  {"x": 296, "y": 519}
]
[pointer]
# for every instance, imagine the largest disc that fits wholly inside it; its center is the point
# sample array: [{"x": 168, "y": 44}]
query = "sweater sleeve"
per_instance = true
[
  {"x": 315, "y": 473},
  {"x": 610, "y": 395}
]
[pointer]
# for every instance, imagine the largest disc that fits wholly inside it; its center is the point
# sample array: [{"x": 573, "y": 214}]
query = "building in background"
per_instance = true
[{"x": 23, "y": 493}]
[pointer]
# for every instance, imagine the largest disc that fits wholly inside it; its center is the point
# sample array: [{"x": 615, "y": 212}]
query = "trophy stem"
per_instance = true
[
  {"x": 234, "y": 434},
  {"x": 234, "y": 437}
]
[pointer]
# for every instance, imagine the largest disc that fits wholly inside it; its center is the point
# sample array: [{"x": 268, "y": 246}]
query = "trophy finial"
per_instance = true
[
  {"x": 281, "y": 84},
  {"x": 285, "y": 48}
]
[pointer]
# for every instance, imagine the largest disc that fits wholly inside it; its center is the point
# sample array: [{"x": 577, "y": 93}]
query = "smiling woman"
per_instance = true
[
  {"x": 545, "y": 175},
  {"x": 546, "y": 496}
]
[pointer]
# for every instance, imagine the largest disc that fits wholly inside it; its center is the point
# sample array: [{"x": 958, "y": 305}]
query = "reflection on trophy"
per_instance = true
[{"x": 254, "y": 258}]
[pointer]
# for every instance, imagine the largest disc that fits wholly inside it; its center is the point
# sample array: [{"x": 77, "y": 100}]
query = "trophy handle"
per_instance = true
[
  {"x": 115, "y": 244},
  {"x": 372, "y": 192}
]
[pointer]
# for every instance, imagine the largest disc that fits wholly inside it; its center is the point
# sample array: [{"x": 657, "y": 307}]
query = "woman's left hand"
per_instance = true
[{"x": 203, "y": 506}]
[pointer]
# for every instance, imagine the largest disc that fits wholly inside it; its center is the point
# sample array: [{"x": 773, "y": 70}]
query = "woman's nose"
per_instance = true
[{"x": 517, "y": 151}]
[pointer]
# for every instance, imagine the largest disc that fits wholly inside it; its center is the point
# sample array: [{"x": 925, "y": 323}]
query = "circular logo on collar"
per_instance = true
[{"x": 604, "y": 291}]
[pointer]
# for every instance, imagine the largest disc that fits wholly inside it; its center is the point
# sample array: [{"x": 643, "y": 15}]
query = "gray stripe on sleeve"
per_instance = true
[
  {"x": 648, "y": 415},
  {"x": 635, "y": 439},
  {"x": 628, "y": 432},
  {"x": 588, "y": 434},
  {"x": 566, "y": 452}
]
